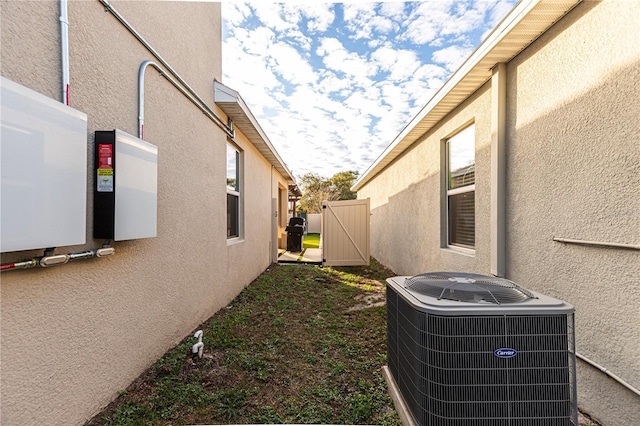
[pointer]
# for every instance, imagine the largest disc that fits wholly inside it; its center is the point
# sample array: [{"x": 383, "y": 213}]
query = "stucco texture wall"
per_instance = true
[
  {"x": 573, "y": 171},
  {"x": 406, "y": 198},
  {"x": 73, "y": 335}
]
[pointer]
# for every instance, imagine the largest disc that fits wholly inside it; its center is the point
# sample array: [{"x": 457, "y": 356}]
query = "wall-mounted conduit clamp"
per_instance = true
[{"x": 49, "y": 259}]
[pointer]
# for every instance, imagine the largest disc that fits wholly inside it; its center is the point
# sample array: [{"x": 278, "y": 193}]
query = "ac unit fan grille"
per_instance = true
[{"x": 470, "y": 288}]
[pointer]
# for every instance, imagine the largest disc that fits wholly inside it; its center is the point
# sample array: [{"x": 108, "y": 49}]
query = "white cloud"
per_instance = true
[
  {"x": 393, "y": 10},
  {"x": 337, "y": 58},
  {"x": 273, "y": 16},
  {"x": 451, "y": 57},
  {"x": 291, "y": 65},
  {"x": 253, "y": 42},
  {"x": 235, "y": 12},
  {"x": 241, "y": 66},
  {"x": 330, "y": 83},
  {"x": 320, "y": 16},
  {"x": 363, "y": 21},
  {"x": 331, "y": 94},
  {"x": 434, "y": 21},
  {"x": 425, "y": 22},
  {"x": 400, "y": 63},
  {"x": 462, "y": 21}
]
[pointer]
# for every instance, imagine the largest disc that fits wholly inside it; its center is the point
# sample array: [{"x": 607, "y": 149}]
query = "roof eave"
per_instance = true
[
  {"x": 237, "y": 110},
  {"x": 522, "y": 26}
]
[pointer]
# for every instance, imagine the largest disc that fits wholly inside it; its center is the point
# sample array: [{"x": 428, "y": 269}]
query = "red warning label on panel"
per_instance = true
[
  {"x": 105, "y": 156},
  {"x": 105, "y": 168}
]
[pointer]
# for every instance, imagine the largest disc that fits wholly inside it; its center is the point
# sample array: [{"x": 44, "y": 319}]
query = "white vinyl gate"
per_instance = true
[{"x": 345, "y": 232}]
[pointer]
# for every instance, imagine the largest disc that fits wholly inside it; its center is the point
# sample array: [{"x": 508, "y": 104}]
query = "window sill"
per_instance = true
[
  {"x": 234, "y": 241},
  {"x": 460, "y": 250}
]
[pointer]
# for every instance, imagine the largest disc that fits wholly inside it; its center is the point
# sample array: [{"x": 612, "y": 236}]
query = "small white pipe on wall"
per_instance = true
[
  {"x": 597, "y": 243},
  {"x": 608, "y": 373},
  {"x": 143, "y": 67},
  {"x": 64, "y": 50},
  {"x": 198, "y": 347}
]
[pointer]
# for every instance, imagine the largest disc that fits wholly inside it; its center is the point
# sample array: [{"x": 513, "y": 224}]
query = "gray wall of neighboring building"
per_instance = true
[{"x": 572, "y": 171}]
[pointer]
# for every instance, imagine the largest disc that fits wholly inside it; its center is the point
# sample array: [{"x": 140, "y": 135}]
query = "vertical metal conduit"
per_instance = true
[
  {"x": 64, "y": 50},
  {"x": 193, "y": 96}
]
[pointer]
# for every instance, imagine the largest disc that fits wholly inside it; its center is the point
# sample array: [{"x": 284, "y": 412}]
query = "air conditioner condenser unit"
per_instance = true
[{"x": 472, "y": 350}]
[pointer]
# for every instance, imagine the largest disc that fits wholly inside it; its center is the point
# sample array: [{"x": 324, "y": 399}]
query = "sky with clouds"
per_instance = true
[{"x": 332, "y": 84}]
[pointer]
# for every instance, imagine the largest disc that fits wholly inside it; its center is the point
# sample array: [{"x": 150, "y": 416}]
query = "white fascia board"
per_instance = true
[
  {"x": 224, "y": 95},
  {"x": 508, "y": 23}
]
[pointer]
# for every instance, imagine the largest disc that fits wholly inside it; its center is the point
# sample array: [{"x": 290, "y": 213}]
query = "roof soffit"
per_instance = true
[
  {"x": 230, "y": 101},
  {"x": 526, "y": 22}
]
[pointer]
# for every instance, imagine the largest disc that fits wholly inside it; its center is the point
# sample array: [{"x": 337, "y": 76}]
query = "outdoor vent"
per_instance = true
[
  {"x": 472, "y": 288},
  {"x": 472, "y": 350}
]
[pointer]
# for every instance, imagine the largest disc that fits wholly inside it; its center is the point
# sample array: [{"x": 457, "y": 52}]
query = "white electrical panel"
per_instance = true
[
  {"x": 126, "y": 190},
  {"x": 136, "y": 188},
  {"x": 43, "y": 168}
]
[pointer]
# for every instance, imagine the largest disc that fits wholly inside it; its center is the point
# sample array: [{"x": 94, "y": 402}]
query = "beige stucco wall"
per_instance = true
[
  {"x": 73, "y": 335},
  {"x": 406, "y": 198},
  {"x": 573, "y": 171}
]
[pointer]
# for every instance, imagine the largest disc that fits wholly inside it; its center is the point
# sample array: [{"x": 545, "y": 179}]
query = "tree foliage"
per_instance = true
[{"x": 316, "y": 189}]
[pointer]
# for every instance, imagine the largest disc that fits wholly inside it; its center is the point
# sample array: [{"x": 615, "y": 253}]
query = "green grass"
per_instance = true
[
  {"x": 289, "y": 349},
  {"x": 311, "y": 241}
]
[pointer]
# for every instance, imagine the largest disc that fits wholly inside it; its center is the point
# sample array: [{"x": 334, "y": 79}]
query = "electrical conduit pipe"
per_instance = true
[
  {"x": 141, "y": 71},
  {"x": 64, "y": 50},
  {"x": 194, "y": 96},
  {"x": 49, "y": 259}
]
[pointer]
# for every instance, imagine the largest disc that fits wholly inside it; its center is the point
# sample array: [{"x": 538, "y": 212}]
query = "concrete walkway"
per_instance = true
[{"x": 307, "y": 256}]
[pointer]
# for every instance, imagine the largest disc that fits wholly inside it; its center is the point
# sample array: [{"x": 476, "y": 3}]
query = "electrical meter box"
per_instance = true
[
  {"x": 43, "y": 163},
  {"x": 126, "y": 187}
]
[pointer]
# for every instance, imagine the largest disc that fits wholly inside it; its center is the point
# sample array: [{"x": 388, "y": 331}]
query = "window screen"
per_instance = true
[
  {"x": 233, "y": 192},
  {"x": 461, "y": 207}
]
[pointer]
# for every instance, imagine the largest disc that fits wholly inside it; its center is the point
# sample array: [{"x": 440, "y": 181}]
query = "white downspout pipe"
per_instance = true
[
  {"x": 498, "y": 169},
  {"x": 64, "y": 50},
  {"x": 143, "y": 68}
]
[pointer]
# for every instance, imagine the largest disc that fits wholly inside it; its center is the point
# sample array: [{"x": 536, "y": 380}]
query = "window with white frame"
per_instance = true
[
  {"x": 461, "y": 189},
  {"x": 233, "y": 191}
]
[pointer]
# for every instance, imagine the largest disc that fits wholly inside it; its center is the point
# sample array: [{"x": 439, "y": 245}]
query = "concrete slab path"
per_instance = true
[{"x": 308, "y": 256}]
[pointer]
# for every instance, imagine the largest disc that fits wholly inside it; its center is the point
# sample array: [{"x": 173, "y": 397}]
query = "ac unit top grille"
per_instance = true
[{"x": 466, "y": 287}]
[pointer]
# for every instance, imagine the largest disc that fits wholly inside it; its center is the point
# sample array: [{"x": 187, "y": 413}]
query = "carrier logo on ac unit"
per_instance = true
[{"x": 505, "y": 353}]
